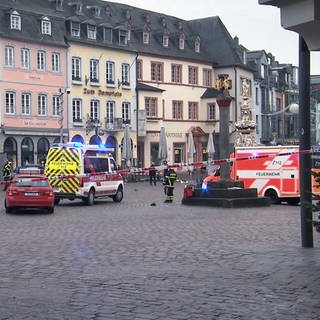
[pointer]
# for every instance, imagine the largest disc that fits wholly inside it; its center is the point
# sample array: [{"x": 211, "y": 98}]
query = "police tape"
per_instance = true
[
  {"x": 181, "y": 166},
  {"x": 204, "y": 164}
]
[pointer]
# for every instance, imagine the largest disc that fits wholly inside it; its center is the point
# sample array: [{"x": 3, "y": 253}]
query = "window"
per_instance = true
[
  {"x": 46, "y": 26},
  {"x": 123, "y": 37},
  {"x": 156, "y": 71},
  {"x": 165, "y": 40},
  {"x": 9, "y": 56},
  {"x": 10, "y": 103},
  {"x": 76, "y": 68},
  {"x": 94, "y": 70},
  {"x": 41, "y": 60},
  {"x": 107, "y": 35},
  {"x": 42, "y": 105},
  {"x": 151, "y": 107},
  {"x": 193, "y": 75},
  {"x": 193, "y": 110},
  {"x": 145, "y": 37},
  {"x": 207, "y": 77},
  {"x": 197, "y": 45},
  {"x": 110, "y": 112},
  {"x": 177, "y": 110},
  {"x": 15, "y": 21},
  {"x": 126, "y": 112},
  {"x": 211, "y": 111},
  {"x": 25, "y": 103},
  {"x": 25, "y": 58},
  {"x": 125, "y": 74},
  {"x": 94, "y": 110},
  {"x": 92, "y": 32},
  {"x": 110, "y": 72},
  {"x": 56, "y": 104},
  {"x": 77, "y": 110},
  {"x": 176, "y": 73},
  {"x": 257, "y": 96},
  {"x": 263, "y": 70},
  {"x": 181, "y": 42},
  {"x": 55, "y": 62},
  {"x": 139, "y": 69},
  {"x": 75, "y": 29}
]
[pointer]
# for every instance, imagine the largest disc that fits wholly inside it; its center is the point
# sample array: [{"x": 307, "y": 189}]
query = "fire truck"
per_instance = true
[{"x": 273, "y": 171}]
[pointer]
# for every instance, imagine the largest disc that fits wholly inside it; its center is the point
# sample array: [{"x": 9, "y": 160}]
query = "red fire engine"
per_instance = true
[{"x": 273, "y": 171}]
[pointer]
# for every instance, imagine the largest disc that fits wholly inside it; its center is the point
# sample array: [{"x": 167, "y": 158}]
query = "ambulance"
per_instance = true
[
  {"x": 83, "y": 171},
  {"x": 273, "y": 171}
]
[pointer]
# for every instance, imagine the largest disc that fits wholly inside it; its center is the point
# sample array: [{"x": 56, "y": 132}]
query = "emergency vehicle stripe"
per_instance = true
[
  {"x": 259, "y": 184},
  {"x": 64, "y": 155}
]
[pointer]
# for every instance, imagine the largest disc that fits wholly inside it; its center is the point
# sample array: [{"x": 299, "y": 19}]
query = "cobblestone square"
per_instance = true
[{"x": 144, "y": 259}]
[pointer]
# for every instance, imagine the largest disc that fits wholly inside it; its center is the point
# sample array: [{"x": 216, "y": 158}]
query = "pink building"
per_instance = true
[{"x": 33, "y": 73}]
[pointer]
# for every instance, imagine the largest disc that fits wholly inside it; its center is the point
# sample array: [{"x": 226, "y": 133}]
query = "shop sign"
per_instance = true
[{"x": 110, "y": 93}]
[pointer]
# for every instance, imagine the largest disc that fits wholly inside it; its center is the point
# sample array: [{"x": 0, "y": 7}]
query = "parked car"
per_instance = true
[{"x": 29, "y": 190}]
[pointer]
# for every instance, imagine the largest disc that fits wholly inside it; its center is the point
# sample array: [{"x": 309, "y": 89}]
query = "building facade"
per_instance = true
[
  {"x": 96, "y": 67},
  {"x": 33, "y": 71}
]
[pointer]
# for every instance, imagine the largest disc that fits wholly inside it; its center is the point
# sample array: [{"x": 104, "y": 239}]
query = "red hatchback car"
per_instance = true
[{"x": 29, "y": 190}]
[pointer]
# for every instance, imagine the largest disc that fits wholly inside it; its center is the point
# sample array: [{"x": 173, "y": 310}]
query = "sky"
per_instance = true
[{"x": 258, "y": 27}]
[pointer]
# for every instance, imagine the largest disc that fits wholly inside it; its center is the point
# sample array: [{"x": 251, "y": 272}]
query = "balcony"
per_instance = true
[{"x": 117, "y": 124}]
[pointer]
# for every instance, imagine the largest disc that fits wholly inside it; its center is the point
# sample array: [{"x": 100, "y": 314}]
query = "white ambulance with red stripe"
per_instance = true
[
  {"x": 273, "y": 171},
  {"x": 82, "y": 171}
]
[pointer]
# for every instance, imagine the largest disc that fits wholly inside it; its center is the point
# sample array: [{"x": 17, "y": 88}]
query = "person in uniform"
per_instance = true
[
  {"x": 168, "y": 182},
  {"x": 7, "y": 173}
]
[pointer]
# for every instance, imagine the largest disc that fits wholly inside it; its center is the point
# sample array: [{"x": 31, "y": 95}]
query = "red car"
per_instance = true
[{"x": 29, "y": 190}]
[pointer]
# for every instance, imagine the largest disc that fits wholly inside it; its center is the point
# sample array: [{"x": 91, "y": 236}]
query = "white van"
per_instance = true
[{"x": 83, "y": 171}]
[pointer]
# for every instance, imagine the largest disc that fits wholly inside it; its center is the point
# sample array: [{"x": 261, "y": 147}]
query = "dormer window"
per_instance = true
[
  {"x": 123, "y": 37},
  {"x": 91, "y": 32},
  {"x": 97, "y": 12},
  {"x": 145, "y": 37},
  {"x": 197, "y": 45},
  {"x": 181, "y": 42},
  {"x": 78, "y": 8},
  {"x": 15, "y": 21},
  {"x": 165, "y": 40},
  {"x": 46, "y": 26},
  {"x": 59, "y": 5},
  {"x": 75, "y": 29}
]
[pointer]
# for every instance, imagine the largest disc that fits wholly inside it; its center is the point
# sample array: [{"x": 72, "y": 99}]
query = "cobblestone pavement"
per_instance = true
[{"x": 144, "y": 259}]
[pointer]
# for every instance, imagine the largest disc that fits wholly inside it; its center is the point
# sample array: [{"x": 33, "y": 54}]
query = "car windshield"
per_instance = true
[{"x": 31, "y": 182}]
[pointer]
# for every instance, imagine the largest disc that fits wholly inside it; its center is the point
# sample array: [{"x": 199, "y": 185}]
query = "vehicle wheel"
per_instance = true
[
  {"x": 118, "y": 196},
  {"x": 56, "y": 201},
  {"x": 90, "y": 199},
  {"x": 273, "y": 196},
  {"x": 293, "y": 201},
  {"x": 51, "y": 210},
  {"x": 8, "y": 210}
]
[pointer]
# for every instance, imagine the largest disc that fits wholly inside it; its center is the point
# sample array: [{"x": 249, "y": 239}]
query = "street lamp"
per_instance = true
[{"x": 61, "y": 118}]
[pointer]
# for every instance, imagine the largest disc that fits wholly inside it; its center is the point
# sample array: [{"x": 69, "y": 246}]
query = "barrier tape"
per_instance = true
[{"x": 198, "y": 164}]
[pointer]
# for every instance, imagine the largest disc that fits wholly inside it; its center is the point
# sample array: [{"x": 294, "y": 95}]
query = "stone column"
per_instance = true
[{"x": 224, "y": 101}]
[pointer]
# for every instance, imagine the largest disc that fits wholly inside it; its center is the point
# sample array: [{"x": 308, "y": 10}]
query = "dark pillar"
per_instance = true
[
  {"x": 304, "y": 141},
  {"x": 224, "y": 101}
]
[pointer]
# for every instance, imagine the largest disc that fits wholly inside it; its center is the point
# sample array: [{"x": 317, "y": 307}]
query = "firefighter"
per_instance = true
[
  {"x": 7, "y": 173},
  {"x": 168, "y": 182}
]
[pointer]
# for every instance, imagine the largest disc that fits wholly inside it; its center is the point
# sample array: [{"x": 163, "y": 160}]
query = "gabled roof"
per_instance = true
[{"x": 219, "y": 45}]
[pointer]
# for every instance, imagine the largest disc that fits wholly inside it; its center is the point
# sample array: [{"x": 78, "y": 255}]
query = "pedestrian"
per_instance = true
[
  {"x": 7, "y": 173},
  {"x": 168, "y": 182},
  {"x": 152, "y": 174}
]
